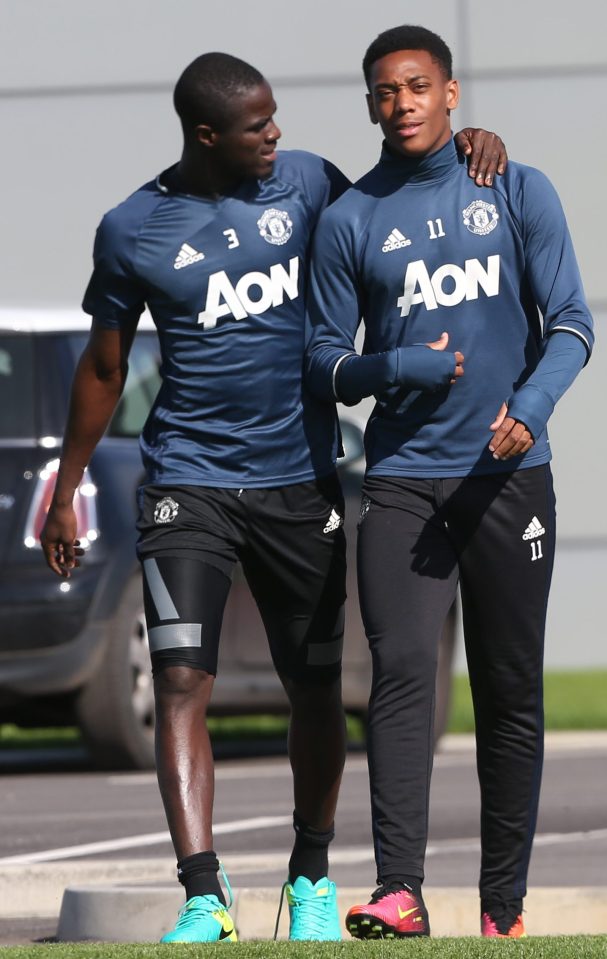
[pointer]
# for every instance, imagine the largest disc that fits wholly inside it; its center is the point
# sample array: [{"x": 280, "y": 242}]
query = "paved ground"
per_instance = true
[{"x": 76, "y": 829}]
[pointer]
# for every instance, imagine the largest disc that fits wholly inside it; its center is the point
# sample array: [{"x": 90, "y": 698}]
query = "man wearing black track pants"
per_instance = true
[{"x": 458, "y": 485}]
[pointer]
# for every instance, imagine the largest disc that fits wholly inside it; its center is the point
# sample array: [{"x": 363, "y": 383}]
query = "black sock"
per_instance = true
[
  {"x": 198, "y": 874},
  {"x": 414, "y": 883},
  {"x": 310, "y": 856}
]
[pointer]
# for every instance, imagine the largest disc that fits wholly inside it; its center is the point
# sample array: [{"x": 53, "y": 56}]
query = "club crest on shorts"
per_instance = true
[
  {"x": 166, "y": 510},
  {"x": 275, "y": 226},
  {"x": 480, "y": 217}
]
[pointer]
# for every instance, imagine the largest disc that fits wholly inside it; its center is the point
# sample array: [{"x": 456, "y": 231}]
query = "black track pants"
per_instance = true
[{"x": 495, "y": 534}]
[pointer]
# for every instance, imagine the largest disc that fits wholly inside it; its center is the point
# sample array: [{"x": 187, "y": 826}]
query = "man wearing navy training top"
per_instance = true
[
  {"x": 449, "y": 280},
  {"x": 238, "y": 459}
]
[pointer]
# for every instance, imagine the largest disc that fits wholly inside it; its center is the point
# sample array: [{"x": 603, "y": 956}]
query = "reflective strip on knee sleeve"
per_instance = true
[
  {"x": 175, "y": 636},
  {"x": 159, "y": 592},
  {"x": 325, "y": 654}
]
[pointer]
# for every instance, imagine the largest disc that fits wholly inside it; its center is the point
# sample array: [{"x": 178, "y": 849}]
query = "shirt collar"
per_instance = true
[{"x": 433, "y": 166}]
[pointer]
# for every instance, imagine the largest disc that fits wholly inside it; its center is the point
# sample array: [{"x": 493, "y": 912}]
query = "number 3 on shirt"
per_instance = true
[{"x": 233, "y": 240}]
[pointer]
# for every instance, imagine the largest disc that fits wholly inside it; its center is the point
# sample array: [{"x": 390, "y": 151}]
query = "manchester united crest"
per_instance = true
[
  {"x": 166, "y": 510},
  {"x": 275, "y": 226},
  {"x": 480, "y": 217}
]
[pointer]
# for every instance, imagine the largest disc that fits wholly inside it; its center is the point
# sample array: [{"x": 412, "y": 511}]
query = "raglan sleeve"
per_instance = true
[
  {"x": 324, "y": 184},
  {"x": 114, "y": 295},
  {"x": 556, "y": 284}
]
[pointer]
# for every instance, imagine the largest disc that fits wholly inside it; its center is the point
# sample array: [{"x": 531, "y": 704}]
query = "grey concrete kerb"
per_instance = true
[
  {"x": 115, "y": 900},
  {"x": 119, "y": 914}
]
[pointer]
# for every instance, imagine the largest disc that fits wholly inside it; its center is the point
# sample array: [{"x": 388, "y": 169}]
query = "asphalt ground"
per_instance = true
[{"x": 72, "y": 807}]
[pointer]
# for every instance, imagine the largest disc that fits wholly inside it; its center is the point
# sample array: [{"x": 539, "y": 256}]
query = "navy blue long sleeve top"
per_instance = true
[{"x": 416, "y": 248}]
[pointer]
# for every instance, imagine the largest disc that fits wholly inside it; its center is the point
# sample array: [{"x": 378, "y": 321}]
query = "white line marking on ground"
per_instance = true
[
  {"x": 147, "y": 839},
  {"x": 541, "y": 839},
  {"x": 273, "y": 861},
  {"x": 554, "y": 838},
  {"x": 256, "y": 862},
  {"x": 456, "y": 750}
]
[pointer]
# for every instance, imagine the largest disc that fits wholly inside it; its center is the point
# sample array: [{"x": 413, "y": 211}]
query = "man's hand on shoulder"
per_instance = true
[
  {"x": 485, "y": 151},
  {"x": 512, "y": 438}
]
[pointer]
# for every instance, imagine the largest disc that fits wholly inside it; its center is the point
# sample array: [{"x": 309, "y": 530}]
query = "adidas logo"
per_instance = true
[
  {"x": 334, "y": 522},
  {"x": 534, "y": 529},
  {"x": 396, "y": 241},
  {"x": 186, "y": 256}
]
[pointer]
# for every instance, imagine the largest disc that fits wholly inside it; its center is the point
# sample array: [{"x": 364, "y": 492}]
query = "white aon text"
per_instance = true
[
  {"x": 255, "y": 292},
  {"x": 462, "y": 284}
]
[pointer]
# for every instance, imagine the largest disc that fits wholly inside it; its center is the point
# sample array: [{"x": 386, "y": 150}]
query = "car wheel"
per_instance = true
[{"x": 115, "y": 710}]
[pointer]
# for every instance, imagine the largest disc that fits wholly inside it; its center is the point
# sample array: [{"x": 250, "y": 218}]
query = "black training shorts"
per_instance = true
[{"x": 290, "y": 542}]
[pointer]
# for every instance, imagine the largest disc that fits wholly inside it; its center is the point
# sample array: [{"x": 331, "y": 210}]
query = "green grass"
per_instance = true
[
  {"x": 17, "y": 737},
  {"x": 572, "y": 700},
  {"x": 557, "y": 947},
  {"x": 224, "y": 729}
]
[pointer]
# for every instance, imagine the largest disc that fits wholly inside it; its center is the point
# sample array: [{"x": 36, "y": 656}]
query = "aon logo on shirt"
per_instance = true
[
  {"x": 449, "y": 284},
  {"x": 254, "y": 293}
]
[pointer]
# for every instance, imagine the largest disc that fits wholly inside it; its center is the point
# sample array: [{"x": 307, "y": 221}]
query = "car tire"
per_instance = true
[{"x": 115, "y": 710}]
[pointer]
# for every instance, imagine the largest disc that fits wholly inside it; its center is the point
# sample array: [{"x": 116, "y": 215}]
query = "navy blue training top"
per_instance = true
[
  {"x": 224, "y": 282},
  {"x": 417, "y": 249}
]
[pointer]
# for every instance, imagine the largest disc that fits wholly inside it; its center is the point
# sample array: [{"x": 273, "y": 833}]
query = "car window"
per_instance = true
[
  {"x": 142, "y": 385},
  {"x": 17, "y": 411}
]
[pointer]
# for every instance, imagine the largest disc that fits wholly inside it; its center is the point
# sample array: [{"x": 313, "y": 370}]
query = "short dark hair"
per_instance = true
[
  {"x": 408, "y": 38},
  {"x": 205, "y": 90}
]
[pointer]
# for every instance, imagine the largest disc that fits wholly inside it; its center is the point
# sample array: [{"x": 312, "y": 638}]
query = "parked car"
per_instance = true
[{"x": 76, "y": 650}]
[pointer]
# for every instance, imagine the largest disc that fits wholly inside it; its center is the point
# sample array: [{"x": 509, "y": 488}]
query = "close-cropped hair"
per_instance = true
[
  {"x": 206, "y": 89},
  {"x": 408, "y": 37}
]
